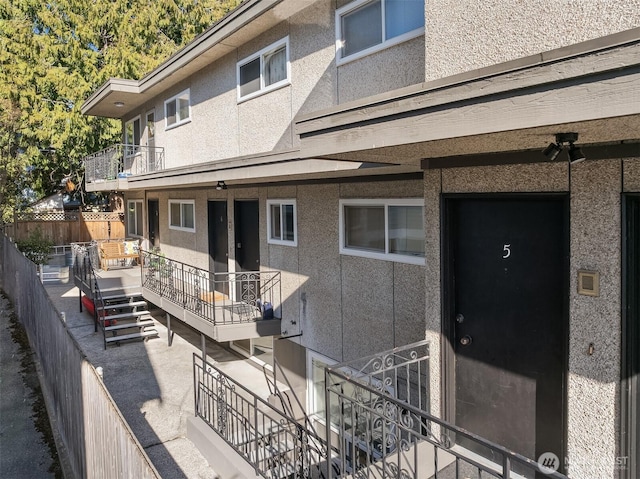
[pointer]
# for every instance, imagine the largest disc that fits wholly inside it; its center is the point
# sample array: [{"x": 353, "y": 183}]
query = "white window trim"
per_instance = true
[
  {"x": 146, "y": 123},
  {"x": 182, "y": 228},
  {"x": 397, "y": 258},
  {"x": 131, "y": 122},
  {"x": 340, "y": 60},
  {"x": 274, "y": 86},
  {"x": 311, "y": 406},
  {"x": 282, "y": 202},
  {"x": 182, "y": 121},
  {"x": 141, "y": 233}
]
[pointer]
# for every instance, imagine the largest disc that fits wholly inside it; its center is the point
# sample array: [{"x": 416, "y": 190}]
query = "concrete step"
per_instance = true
[
  {"x": 141, "y": 323},
  {"x": 120, "y": 295},
  {"x": 129, "y": 315},
  {"x": 132, "y": 304},
  {"x": 142, "y": 334}
]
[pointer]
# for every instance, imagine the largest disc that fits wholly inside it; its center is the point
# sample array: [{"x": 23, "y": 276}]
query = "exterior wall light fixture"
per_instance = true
[
  {"x": 552, "y": 151},
  {"x": 221, "y": 186}
]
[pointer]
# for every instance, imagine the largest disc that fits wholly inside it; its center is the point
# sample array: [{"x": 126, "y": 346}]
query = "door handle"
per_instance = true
[{"x": 466, "y": 340}]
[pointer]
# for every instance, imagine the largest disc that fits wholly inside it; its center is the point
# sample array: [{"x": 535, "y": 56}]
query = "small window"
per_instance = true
[
  {"x": 383, "y": 229},
  {"x": 281, "y": 222},
  {"x": 177, "y": 110},
  {"x": 182, "y": 215},
  {"x": 366, "y": 26},
  {"x": 134, "y": 218},
  {"x": 132, "y": 132},
  {"x": 264, "y": 71},
  {"x": 316, "y": 364}
]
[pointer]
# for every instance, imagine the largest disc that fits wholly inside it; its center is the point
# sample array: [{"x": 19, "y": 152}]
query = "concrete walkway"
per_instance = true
[
  {"x": 23, "y": 451},
  {"x": 152, "y": 383}
]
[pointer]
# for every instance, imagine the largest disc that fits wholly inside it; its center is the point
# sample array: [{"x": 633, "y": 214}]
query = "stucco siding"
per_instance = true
[
  {"x": 321, "y": 305},
  {"x": 367, "y": 298},
  {"x": 593, "y": 383},
  {"x": 389, "y": 69},
  {"x": 313, "y": 54},
  {"x": 461, "y": 36},
  {"x": 215, "y": 112},
  {"x": 631, "y": 169}
]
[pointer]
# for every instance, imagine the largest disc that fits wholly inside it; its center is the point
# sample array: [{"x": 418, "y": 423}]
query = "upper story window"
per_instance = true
[
  {"x": 177, "y": 109},
  {"x": 134, "y": 218},
  {"x": 132, "y": 132},
  {"x": 390, "y": 230},
  {"x": 366, "y": 26},
  {"x": 264, "y": 71},
  {"x": 182, "y": 215},
  {"x": 281, "y": 222}
]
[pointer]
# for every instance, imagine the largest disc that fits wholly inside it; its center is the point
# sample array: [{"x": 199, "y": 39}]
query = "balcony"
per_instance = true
[
  {"x": 377, "y": 420},
  {"x": 223, "y": 306},
  {"x": 109, "y": 169}
]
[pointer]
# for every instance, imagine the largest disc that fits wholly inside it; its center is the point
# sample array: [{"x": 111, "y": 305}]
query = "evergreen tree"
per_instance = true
[{"x": 53, "y": 55}]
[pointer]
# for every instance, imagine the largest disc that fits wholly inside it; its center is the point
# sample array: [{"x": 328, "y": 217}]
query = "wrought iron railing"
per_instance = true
[
  {"x": 378, "y": 421},
  {"x": 274, "y": 443},
  {"x": 84, "y": 257},
  {"x": 220, "y": 298},
  {"x": 121, "y": 161}
]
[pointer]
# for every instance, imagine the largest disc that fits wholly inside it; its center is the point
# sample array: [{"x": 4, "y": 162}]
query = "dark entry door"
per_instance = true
[
  {"x": 153, "y": 210},
  {"x": 247, "y": 247},
  {"x": 218, "y": 243},
  {"x": 507, "y": 266},
  {"x": 631, "y": 371}
]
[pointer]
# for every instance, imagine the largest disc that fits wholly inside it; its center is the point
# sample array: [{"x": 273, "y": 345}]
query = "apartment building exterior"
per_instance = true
[{"x": 385, "y": 157}]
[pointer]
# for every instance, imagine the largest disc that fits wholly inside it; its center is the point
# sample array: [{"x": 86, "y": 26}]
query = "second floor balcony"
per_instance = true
[
  {"x": 110, "y": 168},
  {"x": 223, "y": 306}
]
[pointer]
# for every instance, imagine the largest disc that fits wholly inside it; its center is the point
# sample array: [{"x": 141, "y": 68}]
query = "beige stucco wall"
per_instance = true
[
  {"x": 345, "y": 306},
  {"x": 595, "y": 212},
  {"x": 220, "y": 127},
  {"x": 463, "y": 35}
]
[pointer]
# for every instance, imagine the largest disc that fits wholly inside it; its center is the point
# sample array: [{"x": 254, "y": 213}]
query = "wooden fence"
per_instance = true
[
  {"x": 98, "y": 440},
  {"x": 67, "y": 228}
]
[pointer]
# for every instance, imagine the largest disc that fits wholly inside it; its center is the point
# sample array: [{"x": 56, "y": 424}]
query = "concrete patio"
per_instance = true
[{"x": 152, "y": 382}]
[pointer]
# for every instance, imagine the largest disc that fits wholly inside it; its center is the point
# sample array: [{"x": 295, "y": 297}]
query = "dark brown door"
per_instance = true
[
  {"x": 153, "y": 210},
  {"x": 247, "y": 247},
  {"x": 218, "y": 243},
  {"x": 507, "y": 272}
]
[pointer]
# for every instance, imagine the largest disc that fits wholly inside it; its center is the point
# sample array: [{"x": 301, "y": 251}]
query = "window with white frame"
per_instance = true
[
  {"x": 281, "y": 222},
  {"x": 132, "y": 132},
  {"x": 182, "y": 215},
  {"x": 366, "y": 26},
  {"x": 177, "y": 109},
  {"x": 134, "y": 218},
  {"x": 315, "y": 383},
  {"x": 264, "y": 71},
  {"x": 388, "y": 229}
]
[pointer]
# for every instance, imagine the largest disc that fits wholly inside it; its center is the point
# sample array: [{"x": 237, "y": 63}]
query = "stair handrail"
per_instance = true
[{"x": 83, "y": 266}]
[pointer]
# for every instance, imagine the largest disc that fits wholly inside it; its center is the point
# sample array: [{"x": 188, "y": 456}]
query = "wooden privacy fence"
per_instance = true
[
  {"x": 67, "y": 228},
  {"x": 98, "y": 440}
]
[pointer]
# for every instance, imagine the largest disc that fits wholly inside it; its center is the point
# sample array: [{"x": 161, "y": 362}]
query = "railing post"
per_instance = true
[
  {"x": 327, "y": 418},
  {"x": 184, "y": 296},
  {"x": 255, "y": 428}
]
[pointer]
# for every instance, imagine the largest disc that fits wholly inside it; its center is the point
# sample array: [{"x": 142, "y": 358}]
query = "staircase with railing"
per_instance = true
[{"x": 120, "y": 315}]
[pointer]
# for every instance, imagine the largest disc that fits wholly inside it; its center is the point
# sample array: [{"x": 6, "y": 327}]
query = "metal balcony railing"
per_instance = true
[
  {"x": 274, "y": 443},
  {"x": 219, "y": 298},
  {"x": 122, "y": 161},
  {"x": 378, "y": 409},
  {"x": 377, "y": 425}
]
